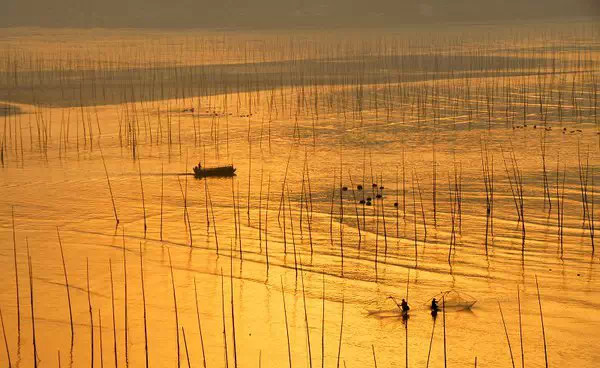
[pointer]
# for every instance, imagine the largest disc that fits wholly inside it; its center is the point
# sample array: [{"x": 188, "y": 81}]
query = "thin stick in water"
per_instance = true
[
  {"x": 144, "y": 305},
  {"x": 542, "y": 320},
  {"x": 62, "y": 255},
  {"x": 112, "y": 198},
  {"x": 114, "y": 323},
  {"x": 5, "y": 340},
  {"x": 89, "y": 295},
  {"x": 176, "y": 311},
  {"x": 340, "y": 339},
  {"x": 512, "y": 359},
  {"x": 223, "y": 315},
  {"x": 287, "y": 330},
  {"x": 187, "y": 354},
  {"x": 16, "y": 271},
  {"x": 199, "y": 324},
  {"x": 35, "y": 355}
]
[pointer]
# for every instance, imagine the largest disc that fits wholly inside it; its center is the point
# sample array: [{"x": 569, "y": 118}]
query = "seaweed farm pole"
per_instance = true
[
  {"x": 591, "y": 215},
  {"x": 310, "y": 212},
  {"x": 292, "y": 228},
  {"x": 342, "y": 223},
  {"x": 267, "y": 224},
  {"x": 542, "y": 320},
  {"x": 545, "y": 172},
  {"x": 5, "y": 340},
  {"x": 239, "y": 220},
  {"x": 125, "y": 302},
  {"x": 284, "y": 230},
  {"x": 235, "y": 364},
  {"x": 403, "y": 186},
  {"x": 323, "y": 325},
  {"x": 520, "y": 328},
  {"x": 199, "y": 324},
  {"x": 212, "y": 212},
  {"x": 143, "y": 201},
  {"x": 283, "y": 184},
  {"x": 305, "y": 314},
  {"x": 35, "y": 355},
  {"x": 89, "y": 297},
  {"x": 176, "y": 312},
  {"x": 444, "y": 324},
  {"x": 422, "y": 209},
  {"x": 340, "y": 339},
  {"x": 374, "y": 358},
  {"x": 16, "y": 271},
  {"x": 260, "y": 209},
  {"x": 112, "y": 198},
  {"x": 249, "y": 174},
  {"x": 287, "y": 331},
  {"x": 187, "y": 355},
  {"x": 223, "y": 315},
  {"x": 434, "y": 185},
  {"x": 331, "y": 211},
  {"x": 397, "y": 205},
  {"x": 512, "y": 359},
  {"x": 162, "y": 181},
  {"x": 355, "y": 210},
  {"x": 415, "y": 218},
  {"x": 114, "y": 324},
  {"x": 100, "y": 333},
  {"x": 144, "y": 306},
  {"x": 430, "y": 343},
  {"x": 383, "y": 218},
  {"x": 62, "y": 255},
  {"x": 235, "y": 218},
  {"x": 206, "y": 197}
]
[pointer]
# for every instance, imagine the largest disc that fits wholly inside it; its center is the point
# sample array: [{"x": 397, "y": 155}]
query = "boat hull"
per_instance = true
[{"x": 223, "y": 171}]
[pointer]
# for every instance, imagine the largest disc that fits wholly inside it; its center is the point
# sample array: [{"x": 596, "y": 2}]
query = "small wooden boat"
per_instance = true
[{"x": 221, "y": 171}]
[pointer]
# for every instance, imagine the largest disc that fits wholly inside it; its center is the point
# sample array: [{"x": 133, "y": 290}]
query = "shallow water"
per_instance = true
[{"x": 55, "y": 181}]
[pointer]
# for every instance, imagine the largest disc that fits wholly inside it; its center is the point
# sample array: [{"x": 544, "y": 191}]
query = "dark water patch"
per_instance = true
[
  {"x": 8, "y": 110},
  {"x": 115, "y": 86}
]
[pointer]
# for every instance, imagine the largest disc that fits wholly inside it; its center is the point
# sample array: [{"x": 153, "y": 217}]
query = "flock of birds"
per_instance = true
[{"x": 549, "y": 128}]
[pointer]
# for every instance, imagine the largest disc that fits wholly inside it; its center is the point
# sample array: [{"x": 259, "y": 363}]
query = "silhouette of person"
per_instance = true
[{"x": 404, "y": 306}]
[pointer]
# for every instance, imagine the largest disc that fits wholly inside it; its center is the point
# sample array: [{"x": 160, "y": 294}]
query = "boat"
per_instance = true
[{"x": 220, "y": 171}]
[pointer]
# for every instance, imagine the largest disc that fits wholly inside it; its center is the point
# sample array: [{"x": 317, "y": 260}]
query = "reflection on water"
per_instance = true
[{"x": 360, "y": 176}]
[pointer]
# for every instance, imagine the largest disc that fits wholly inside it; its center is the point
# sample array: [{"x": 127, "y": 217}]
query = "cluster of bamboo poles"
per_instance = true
[
  {"x": 179, "y": 329},
  {"x": 552, "y": 88},
  {"x": 364, "y": 211}
]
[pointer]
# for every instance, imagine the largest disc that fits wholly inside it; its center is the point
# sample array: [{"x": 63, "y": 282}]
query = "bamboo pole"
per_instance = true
[
  {"x": 512, "y": 359},
  {"x": 16, "y": 272},
  {"x": 5, "y": 341},
  {"x": 89, "y": 297},
  {"x": 144, "y": 306},
  {"x": 542, "y": 321},
  {"x": 62, "y": 255},
  {"x": 287, "y": 330},
  {"x": 176, "y": 311},
  {"x": 199, "y": 324},
  {"x": 114, "y": 323}
]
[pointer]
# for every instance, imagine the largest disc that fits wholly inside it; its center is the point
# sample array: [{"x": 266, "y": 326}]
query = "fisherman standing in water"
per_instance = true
[
  {"x": 404, "y": 306},
  {"x": 434, "y": 305}
]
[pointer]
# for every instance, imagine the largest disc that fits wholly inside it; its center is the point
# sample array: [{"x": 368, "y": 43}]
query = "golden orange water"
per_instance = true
[{"x": 300, "y": 116}]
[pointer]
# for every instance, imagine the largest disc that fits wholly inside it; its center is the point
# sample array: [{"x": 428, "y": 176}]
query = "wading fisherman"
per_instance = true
[
  {"x": 404, "y": 306},
  {"x": 434, "y": 305}
]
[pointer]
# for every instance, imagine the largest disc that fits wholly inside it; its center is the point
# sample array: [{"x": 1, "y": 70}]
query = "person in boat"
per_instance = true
[
  {"x": 434, "y": 305},
  {"x": 199, "y": 165},
  {"x": 404, "y": 306}
]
